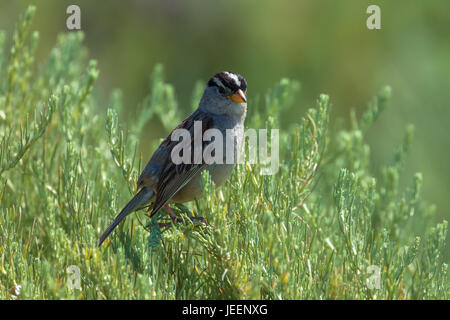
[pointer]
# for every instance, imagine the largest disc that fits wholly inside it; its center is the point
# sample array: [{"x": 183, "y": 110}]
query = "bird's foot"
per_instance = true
[
  {"x": 201, "y": 219},
  {"x": 179, "y": 220},
  {"x": 174, "y": 219}
]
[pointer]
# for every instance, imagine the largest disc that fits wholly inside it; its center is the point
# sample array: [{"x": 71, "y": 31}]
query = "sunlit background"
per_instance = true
[{"x": 325, "y": 45}]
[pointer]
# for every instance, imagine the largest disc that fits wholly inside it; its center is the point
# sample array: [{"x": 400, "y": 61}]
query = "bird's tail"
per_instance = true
[{"x": 139, "y": 201}]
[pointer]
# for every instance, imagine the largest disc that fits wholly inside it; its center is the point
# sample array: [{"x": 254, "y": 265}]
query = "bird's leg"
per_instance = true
[{"x": 172, "y": 215}]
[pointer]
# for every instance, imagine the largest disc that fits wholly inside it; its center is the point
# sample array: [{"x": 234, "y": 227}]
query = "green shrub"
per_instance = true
[{"x": 321, "y": 228}]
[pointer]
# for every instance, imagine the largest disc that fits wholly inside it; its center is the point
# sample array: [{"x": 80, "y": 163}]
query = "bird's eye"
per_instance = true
[{"x": 221, "y": 90}]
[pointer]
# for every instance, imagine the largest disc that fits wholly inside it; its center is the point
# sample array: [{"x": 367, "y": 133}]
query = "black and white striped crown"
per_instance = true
[{"x": 229, "y": 80}]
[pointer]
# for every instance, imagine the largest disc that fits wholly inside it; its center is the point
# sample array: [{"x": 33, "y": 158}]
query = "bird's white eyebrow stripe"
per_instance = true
[
  {"x": 218, "y": 82},
  {"x": 234, "y": 77}
]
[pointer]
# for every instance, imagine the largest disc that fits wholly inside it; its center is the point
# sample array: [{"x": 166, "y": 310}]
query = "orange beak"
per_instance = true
[{"x": 238, "y": 96}]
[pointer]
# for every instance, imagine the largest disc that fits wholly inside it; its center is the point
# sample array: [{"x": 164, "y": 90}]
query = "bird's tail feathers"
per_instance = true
[{"x": 139, "y": 201}]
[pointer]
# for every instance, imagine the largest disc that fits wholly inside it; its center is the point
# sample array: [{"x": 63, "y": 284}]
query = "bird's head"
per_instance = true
[{"x": 225, "y": 94}]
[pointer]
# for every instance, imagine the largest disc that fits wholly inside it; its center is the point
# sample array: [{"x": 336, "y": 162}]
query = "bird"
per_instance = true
[{"x": 223, "y": 106}]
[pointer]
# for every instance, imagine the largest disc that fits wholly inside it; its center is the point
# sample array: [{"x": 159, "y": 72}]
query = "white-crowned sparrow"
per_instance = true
[{"x": 223, "y": 106}]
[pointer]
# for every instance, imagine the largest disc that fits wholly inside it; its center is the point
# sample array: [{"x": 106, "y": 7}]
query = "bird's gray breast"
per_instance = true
[{"x": 232, "y": 130}]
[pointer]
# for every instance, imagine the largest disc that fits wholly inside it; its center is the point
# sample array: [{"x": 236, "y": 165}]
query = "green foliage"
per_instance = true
[{"x": 315, "y": 230}]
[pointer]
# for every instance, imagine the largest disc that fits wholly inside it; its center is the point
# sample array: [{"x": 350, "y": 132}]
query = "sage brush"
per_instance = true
[{"x": 321, "y": 228}]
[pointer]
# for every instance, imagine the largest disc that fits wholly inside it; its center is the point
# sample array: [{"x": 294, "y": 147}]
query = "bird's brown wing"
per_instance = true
[
  {"x": 167, "y": 191},
  {"x": 166, "y": 177}
]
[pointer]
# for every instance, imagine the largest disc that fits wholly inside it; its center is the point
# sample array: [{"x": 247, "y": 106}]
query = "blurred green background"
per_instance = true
[{"x": 323, "y": 44}]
